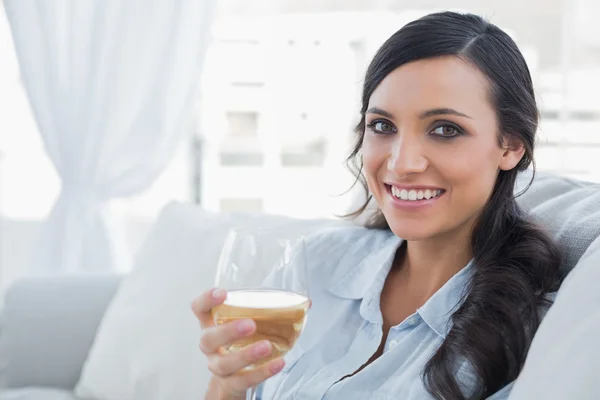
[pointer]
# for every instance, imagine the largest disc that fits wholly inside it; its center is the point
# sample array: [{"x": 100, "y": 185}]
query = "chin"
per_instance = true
[{"x": 411, "y": 230}]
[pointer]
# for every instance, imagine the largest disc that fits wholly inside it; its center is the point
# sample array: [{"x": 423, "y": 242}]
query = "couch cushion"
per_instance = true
[
  {"x": 568, "y": 208},
  {"x": 564, "y": 359},
  {"x": 46, "y": 330},
  {"x": 146, "y": 347},
  {"x": 36, "y": 394}
]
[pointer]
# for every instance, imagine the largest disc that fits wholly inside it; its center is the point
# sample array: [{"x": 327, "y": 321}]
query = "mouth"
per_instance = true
[{"x": 414, "y": 195}]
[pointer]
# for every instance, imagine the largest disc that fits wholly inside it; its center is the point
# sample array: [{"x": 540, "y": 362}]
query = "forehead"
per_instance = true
[{"x": 441, "y": 82}]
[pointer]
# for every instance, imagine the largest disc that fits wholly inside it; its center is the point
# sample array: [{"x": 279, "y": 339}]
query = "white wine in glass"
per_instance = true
[
  {"x": 279, "y": 316},
  {"x": 266, "y": 279}
]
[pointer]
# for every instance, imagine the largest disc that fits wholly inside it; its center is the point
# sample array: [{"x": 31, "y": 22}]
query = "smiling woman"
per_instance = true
[
  {"x": 441, "y": 294},
  {"x": 449, "y": 118}
]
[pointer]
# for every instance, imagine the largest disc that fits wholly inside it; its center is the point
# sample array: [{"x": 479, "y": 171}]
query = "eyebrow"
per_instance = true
[
  {"x": 442, "y": 111},
  {"x": 379, "y": 111},
  {"x": 425, "y": 114}
]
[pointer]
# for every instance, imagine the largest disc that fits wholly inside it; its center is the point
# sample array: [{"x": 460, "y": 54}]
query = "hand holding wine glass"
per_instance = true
[
  {"x": 258, "y": 312},
  {"x": 230, "y": 381}
]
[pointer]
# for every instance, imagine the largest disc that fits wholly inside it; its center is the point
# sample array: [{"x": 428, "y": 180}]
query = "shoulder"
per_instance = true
[
  {"x": 343, "y": 239},
  {"x": 334, "y": 245}
]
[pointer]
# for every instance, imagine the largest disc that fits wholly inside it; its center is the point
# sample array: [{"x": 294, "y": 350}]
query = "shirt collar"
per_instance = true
[
  {"x": 436, "y": 312},
  {"x": 368, "y": 276},
  {"x": 355, "y": 282}
]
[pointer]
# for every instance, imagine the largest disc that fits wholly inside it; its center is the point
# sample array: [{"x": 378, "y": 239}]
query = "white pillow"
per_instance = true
[{"x": 147, "y": 344}]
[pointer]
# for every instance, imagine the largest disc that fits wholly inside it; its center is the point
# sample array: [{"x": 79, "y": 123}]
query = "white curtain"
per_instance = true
[{"x": 112, "y": 85}]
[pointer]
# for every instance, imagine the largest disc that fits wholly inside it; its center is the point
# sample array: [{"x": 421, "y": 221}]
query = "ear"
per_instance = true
[{"x": 512, "y": 152}]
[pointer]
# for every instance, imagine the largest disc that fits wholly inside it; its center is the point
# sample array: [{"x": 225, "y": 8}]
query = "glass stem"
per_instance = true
[{"x": 250, "y": 393}]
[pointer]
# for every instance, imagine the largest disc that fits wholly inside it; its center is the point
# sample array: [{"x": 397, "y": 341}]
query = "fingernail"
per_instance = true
[
  {"x": 245, "y": 326},
  {"x": 276, "y": 365},
  {"x": 218, "y": 293},
  {"x": 262, "y": 349}
]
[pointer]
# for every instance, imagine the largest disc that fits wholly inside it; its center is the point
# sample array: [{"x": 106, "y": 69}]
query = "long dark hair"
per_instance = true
[{"x": 516, "y": 263}]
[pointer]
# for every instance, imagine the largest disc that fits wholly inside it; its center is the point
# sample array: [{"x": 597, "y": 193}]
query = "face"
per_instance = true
[{"x": 431, "y": 147}]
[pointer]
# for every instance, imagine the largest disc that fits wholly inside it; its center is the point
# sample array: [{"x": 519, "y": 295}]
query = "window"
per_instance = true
[
  {"x": 242, "y": 124},
  {"x": 309, "y": 155},
  {"x": 240, "y": 159}
]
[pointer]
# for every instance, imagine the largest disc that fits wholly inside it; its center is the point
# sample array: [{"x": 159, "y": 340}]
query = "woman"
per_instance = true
[{"x": 448, "y": 311}]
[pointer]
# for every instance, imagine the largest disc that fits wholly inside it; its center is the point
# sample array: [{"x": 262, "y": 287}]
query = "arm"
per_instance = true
[{"x": 47, "y": 327}]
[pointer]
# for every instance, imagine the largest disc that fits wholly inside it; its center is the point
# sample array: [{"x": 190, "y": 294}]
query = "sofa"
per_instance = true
[{"x": 133, "y": 337}]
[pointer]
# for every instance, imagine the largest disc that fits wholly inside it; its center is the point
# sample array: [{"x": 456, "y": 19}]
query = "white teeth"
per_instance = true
[{"x": 414, "y": 195}]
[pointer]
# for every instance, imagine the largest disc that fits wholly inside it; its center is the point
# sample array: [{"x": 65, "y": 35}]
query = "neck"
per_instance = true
[{"x": 430, "y": 263}]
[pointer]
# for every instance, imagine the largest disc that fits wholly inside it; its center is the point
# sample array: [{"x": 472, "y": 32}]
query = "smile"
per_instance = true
[{"x": 414, "y": 195}]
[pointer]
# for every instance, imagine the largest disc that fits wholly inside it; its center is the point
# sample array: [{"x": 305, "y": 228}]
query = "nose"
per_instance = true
[{"x": 407, "y": 156}]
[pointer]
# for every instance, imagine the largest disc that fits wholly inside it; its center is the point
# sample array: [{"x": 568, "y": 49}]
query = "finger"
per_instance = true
[
  {"x": 247, "y": 379},
  {"x": 229, "y": 364},
  {"x": 203, "y": 304},
  {"x": 213, "y": 338}
]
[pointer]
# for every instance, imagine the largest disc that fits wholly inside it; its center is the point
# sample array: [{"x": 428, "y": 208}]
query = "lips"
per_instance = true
[{"x": 414, "y": 194}]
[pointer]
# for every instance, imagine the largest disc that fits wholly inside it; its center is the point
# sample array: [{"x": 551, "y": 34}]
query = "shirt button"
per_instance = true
[
  {"x": 412, "y": 321},
  {"x": 393, "y": 344}
]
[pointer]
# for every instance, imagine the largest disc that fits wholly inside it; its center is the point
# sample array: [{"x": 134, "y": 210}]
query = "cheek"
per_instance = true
[
  {"x": 374, "y": 159},
  {"x": 473, "y": 176}
]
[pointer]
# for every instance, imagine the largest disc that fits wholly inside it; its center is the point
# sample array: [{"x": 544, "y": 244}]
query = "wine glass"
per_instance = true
[{"x": 266, "y": 279}]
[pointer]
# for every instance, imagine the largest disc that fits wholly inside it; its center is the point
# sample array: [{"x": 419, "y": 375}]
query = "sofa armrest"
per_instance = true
[{"x": 47, "y": 326}]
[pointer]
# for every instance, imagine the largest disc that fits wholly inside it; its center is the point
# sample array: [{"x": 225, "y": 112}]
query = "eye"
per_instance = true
[
  {"x": 379, "y": 126},
  {"x": 447, "y": 131}
]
